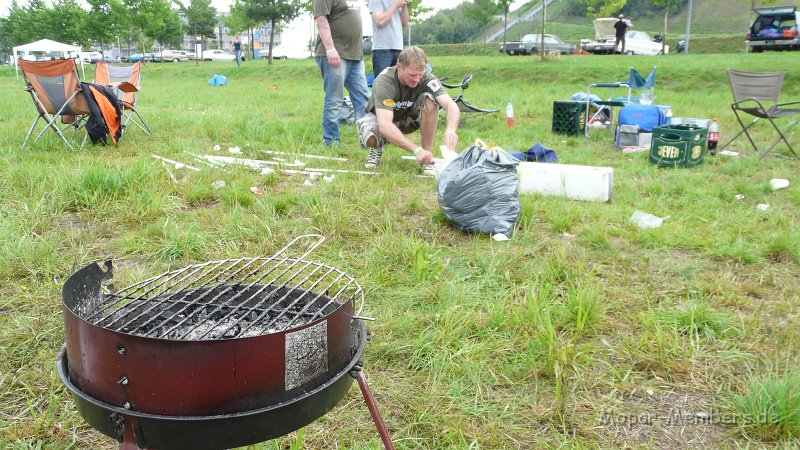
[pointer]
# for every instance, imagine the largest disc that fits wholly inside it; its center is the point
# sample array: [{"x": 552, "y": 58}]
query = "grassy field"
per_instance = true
[{"x": 583, "y": 331}]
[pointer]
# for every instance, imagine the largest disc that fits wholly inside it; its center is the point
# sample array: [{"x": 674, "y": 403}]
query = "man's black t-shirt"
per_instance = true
[{"x": 621, "y": 26}]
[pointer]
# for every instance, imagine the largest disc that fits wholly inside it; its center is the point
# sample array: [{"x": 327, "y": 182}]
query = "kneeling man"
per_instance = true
[{"x": 406, "y": 98}]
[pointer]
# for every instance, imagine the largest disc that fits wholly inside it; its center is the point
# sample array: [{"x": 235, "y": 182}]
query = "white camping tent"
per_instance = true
[{"x": 48, "y": 48}]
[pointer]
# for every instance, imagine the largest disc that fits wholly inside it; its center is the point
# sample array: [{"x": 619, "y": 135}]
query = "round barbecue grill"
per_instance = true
[{"x": 215, "y": 355}]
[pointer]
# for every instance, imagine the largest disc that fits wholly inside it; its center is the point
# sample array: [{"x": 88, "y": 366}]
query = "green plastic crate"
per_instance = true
[
  {"x": 678, "y": 145},
  {"x": 569, "y": 117}
]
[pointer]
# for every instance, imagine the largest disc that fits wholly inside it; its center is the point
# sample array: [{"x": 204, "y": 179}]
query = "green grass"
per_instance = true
[
  {"x": 770, "y": 408},
  {"x": 477, "y": 344}
]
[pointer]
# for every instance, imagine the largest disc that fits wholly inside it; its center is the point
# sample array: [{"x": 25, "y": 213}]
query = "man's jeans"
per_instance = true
[
  {"x": 382, "y": 59},
  {"x": 350, "y": 75},
  {"x": 238, "y": 54}
]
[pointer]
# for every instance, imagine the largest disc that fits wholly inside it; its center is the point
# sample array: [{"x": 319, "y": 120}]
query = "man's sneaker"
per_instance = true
[{"x": 374, "y": 157}]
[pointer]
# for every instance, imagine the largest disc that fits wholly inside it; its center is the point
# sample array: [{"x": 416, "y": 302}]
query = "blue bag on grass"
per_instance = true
[
  {"x": 218, "y": 80},
  {"x": 537, "y": 153}
]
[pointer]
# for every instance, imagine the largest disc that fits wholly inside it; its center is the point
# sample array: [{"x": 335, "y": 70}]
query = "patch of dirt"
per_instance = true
[
  {"x": 666, "y": 419},
  {"x": 73, "y": 221}
]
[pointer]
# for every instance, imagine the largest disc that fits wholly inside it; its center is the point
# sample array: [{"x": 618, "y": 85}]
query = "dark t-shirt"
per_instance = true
[
  {"x": 622, "y": 27},
  {"x": 389, "y": 94},
  {"x": 344, "y": 17}
]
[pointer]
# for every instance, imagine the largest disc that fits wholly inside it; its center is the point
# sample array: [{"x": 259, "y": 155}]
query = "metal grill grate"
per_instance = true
[{"x": 226, "y": 299}]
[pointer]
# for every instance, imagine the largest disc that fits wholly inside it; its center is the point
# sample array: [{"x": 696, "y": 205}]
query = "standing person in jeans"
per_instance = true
[
  {"x": 340, "y": 58},
  {"x": 621, "y": 26},
  {"x": 237, "y": 49},
  {"x": 389, "y": 17}
]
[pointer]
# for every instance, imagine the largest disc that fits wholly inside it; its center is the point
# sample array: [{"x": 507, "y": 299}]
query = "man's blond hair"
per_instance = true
[{"x": 412, "y": 56}]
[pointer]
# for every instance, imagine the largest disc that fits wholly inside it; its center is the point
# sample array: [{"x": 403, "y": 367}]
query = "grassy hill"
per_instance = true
[{"x": 717, "y": 27}]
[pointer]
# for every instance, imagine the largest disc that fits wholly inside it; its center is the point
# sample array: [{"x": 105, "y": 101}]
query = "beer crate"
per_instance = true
[
  {"x": 569, "y": 117},
  {"x": 678, "y": 145}
]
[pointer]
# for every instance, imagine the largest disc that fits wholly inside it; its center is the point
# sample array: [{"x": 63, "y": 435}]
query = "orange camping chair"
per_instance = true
[
  {"x": 56, "y": 92},
  {"x": 124, "y": 80}
]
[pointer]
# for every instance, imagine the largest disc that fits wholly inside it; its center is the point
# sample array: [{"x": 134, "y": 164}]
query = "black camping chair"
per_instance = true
[
  {"x": 467, "y": 110},
  {"x": 756, "y": 94}
]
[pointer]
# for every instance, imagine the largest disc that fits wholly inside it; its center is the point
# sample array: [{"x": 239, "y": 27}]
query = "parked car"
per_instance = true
[
  {"x": 640, "y": 43},
  {"x": 636, "y": 42},
  {"x": 217, "y": 55},
  {"x": 91, "y": 57},
  {"x": 529, "y": 44},
  {"x": 146, "y": 57},
  {"x": 774, "y": 28},
  {"x": 172, "y": 55},
  {"x": 284, "y": 52}
]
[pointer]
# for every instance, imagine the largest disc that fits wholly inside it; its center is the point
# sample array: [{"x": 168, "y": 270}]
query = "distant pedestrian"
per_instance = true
[
  {"x": 389, "y": 17},
  {"x": 340, "y": 58},
  {"x": 621, "y": 26},
  {"x": 237, "y": 49}
]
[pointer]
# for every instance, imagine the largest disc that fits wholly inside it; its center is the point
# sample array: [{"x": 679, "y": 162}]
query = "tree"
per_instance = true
[
  {"x": 66, "y": 21},
  {"x": 603, "y": 8},
  {"x": 154, "y": 19},
  {"x": 201, "y": 18},
  {"x": 482, "y": 11},
  {"x": 170, "y": 32},
  {"x": 415, "y": 10},
  {"x": 665, "y": 4},
  {"x": 505, "y": 5},
  {"x": 541, "y": 32},
  {"x": 105, "y": 20},
  {"x": 272, "y": 11}
]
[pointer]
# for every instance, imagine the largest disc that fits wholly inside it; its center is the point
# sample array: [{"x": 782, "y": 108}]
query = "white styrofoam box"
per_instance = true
[
  {"x": 645, "y": 139},
  {"x": 566, "y": 180},
  {"x": 690, "y": 121}
]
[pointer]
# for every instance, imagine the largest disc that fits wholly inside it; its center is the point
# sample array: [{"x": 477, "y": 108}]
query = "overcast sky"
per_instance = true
[{"x": 223, "y": 4}]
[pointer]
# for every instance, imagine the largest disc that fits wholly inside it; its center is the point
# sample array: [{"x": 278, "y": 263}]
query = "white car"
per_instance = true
[
  {"x": 639, "y": 43},
  {"x": 284, "y": 52},
  {"x": 172, "y": 55},
  {"x": 91, "y": 57},
  {"x": 217, "y": 55}
]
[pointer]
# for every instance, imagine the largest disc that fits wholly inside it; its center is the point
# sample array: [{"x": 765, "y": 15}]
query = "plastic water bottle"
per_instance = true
[
  {"x": 509, "y": 115},
  {"x": 713, "y": 136}
]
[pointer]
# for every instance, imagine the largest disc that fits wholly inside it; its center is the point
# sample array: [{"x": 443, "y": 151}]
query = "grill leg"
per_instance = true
[
  {"x": 358, "y": 374},
  {"x": 128, "y": 433}
]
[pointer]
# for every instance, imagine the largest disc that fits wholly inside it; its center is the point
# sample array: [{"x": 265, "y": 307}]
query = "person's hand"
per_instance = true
[
  {"x": 401, "y": 3},
  {"x": 450, "y": 139},
  {"x": 425, "y": 158},
  {"x": 333, "y": 58}
]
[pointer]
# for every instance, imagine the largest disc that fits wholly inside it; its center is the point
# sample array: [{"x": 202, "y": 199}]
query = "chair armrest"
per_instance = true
[
  {"x": 127, "y": 87},
  {"x": 737, "y": 105},
  {"x": 607, "y": 85},
  {"x": 780, "y": 105}
]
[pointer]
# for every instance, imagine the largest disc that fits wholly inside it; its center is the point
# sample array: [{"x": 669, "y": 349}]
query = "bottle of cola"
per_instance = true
[{"x": 713, "y": 136}]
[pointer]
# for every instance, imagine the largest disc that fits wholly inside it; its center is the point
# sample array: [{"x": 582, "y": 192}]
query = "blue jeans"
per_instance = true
[
  {"x": 382, "y": 59},
  {"x": 350, "y": 75},
  {"x": 238, "y": 54}
]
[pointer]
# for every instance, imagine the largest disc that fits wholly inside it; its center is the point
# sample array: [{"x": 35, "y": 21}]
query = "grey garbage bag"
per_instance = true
[{"x": 478, "y": 191}]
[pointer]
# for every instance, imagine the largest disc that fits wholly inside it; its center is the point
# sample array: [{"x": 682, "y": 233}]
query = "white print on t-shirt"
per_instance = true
[{"x": 434, "y": 85}]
